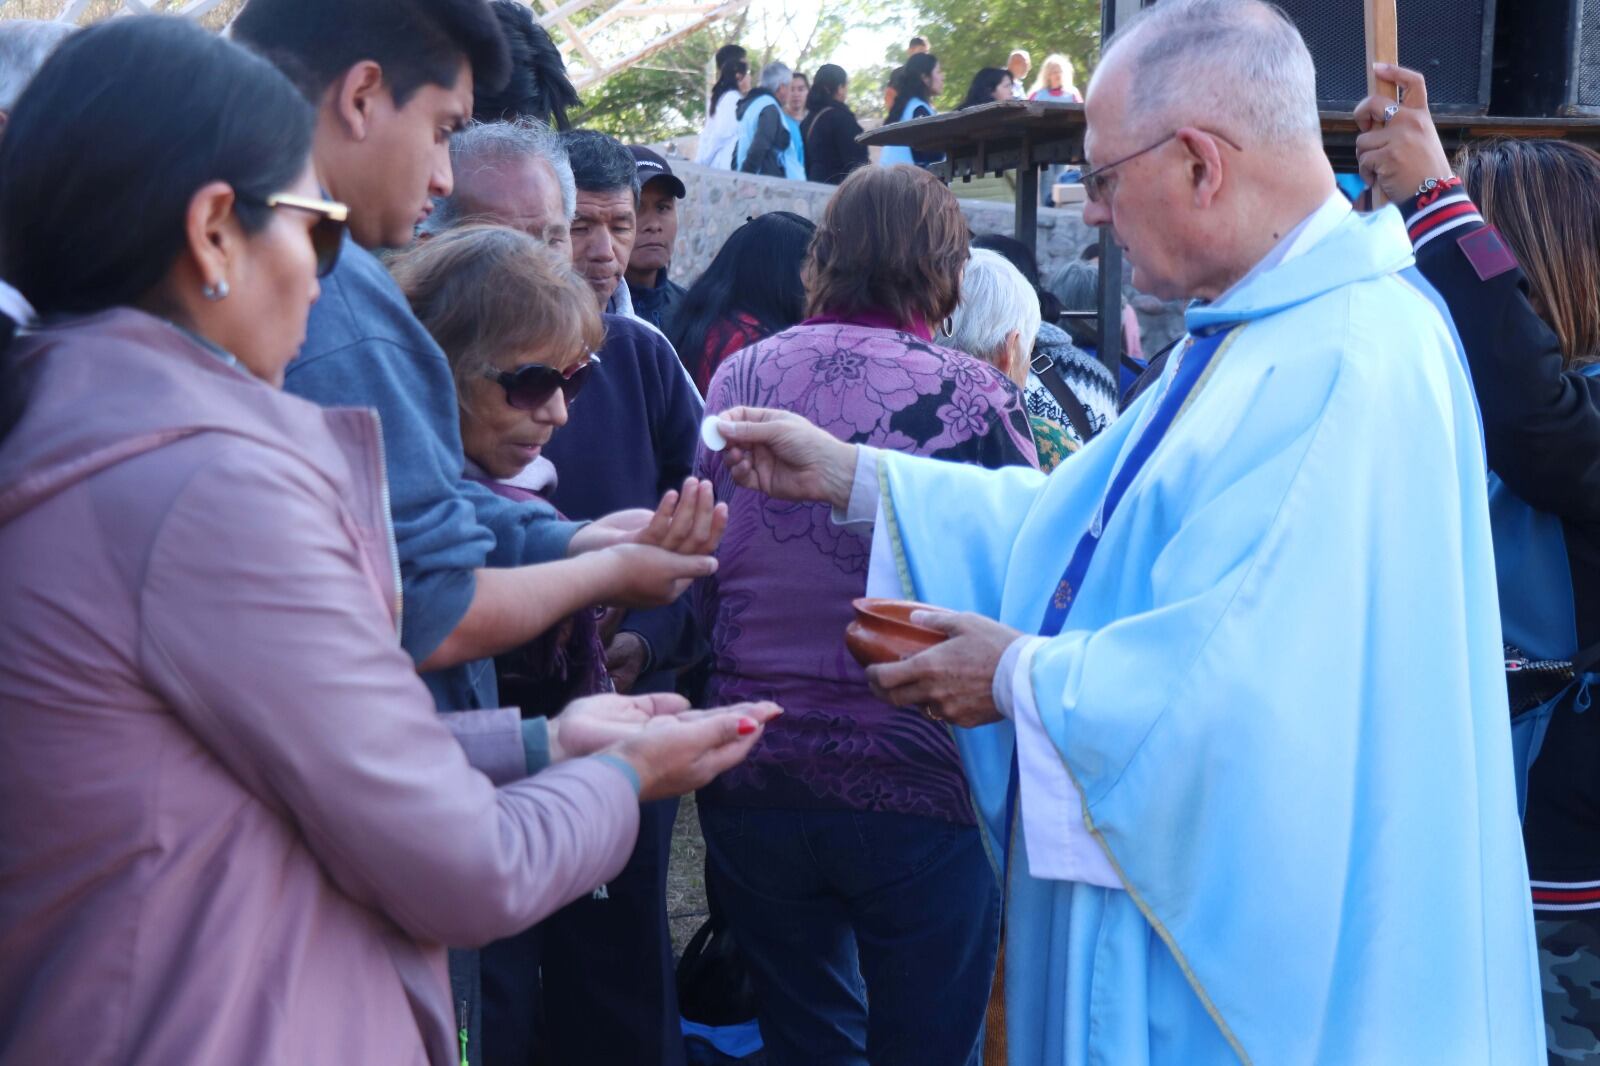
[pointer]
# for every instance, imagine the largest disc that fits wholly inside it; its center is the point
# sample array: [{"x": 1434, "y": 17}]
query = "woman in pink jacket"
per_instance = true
[{"x": 232, "y": 828}]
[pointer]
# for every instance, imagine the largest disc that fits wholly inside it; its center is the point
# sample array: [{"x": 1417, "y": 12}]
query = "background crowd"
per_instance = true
[
  {"x": 299, "y": 697},
  {"x": 782, "y": 125}
]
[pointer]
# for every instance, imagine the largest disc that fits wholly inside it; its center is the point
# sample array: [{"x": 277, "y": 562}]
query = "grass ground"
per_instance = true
[{"x": 686, "y": 876}]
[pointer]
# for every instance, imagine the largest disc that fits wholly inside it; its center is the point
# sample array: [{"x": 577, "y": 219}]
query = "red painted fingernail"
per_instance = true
[{"x": 746, "y": 726}]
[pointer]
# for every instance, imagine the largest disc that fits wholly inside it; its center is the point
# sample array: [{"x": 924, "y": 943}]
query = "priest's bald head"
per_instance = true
[{"x": 1203, "y": 142}]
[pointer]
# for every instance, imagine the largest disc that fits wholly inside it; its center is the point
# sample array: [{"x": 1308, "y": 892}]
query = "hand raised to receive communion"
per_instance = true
[
  {"x": 594, "y": 723},
  {"x": 690, "y": 522}
]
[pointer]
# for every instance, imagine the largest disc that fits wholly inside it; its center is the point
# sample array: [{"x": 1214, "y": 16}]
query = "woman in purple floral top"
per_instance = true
[{"x": 844, "y": 853}]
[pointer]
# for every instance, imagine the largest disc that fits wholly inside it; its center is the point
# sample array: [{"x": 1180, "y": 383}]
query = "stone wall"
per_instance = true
[{"x": 720, "y": 201}]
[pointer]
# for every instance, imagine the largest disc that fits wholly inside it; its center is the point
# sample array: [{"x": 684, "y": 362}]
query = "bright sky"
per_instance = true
[{"x": 859, "y": 49}]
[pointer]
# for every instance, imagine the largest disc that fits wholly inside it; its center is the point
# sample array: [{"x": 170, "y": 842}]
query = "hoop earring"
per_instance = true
[
  {"x": 950, "y": 326},
  {"x": 216, "y": 292}
]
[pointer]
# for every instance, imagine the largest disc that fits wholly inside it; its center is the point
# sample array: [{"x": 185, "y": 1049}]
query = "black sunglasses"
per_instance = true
[
  {"x": 529, "y": 387},
  {"x": 327, "y": 232}
]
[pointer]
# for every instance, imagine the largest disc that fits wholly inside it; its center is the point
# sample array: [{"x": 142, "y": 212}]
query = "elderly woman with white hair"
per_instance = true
[
  {"x": 998, "y": 321},
  {"x": 765, "y": 144}
]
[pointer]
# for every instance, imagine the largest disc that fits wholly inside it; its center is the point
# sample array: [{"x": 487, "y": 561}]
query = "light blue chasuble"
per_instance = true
[{"x": 1279, "y": 691}]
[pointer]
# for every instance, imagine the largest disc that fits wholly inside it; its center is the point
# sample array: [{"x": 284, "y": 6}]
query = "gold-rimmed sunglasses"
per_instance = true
[
  {"x": 1096, "y": 182},
  {"x": 327, "y": 232}
]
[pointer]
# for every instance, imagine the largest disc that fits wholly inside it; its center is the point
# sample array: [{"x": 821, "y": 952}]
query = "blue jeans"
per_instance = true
[{"x": 836, "y": 909}]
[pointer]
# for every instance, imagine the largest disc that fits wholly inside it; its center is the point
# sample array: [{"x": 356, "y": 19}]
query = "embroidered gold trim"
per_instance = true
[{"x": 909, "y": 587}]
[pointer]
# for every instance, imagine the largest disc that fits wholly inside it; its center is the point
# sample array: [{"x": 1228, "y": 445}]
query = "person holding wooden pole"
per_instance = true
[{"x": 1522, "y": 282}]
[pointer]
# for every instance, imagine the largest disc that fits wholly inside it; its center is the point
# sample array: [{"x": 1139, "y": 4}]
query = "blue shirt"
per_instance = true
[{"x": 364, "y": 348}]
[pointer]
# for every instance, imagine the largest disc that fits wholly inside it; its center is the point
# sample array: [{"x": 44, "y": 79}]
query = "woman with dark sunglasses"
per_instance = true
[
  {"x": 234, "y": 827},
  {"x": 519, "y": 328}
]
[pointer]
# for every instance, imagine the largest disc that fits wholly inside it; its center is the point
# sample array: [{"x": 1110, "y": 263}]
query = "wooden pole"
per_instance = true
[
  {"x": 1114, "y": 14},
  {"x": 1383, "y": 46}
]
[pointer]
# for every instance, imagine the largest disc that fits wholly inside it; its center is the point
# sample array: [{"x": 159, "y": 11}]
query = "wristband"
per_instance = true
[
  {"x": 625, "y": 766},
  {"x": 536, "y": 744},
  {"x": 1435, "y": 188}
]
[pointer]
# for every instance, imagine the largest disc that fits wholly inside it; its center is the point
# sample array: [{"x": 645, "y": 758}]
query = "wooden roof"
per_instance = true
[{"x": 1002, "y": 136}]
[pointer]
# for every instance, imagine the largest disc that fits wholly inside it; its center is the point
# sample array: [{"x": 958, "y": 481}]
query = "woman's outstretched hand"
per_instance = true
[
  {"x": 686, "y": 522},
  {"x": 786, "y": 457},
  {"x": 678, "y": 753},
  {"x": 672, "y": 748},
  {"x": 595, "y": 723}
]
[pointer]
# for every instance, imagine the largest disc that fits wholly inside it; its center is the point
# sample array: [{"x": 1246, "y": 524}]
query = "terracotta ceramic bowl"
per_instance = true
[{"x": 883, "y": 633}]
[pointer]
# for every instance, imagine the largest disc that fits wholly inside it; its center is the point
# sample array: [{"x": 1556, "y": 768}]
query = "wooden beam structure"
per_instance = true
[
  {"x": 993, "y": 138},
  {"x": 1025, "y": 135}
]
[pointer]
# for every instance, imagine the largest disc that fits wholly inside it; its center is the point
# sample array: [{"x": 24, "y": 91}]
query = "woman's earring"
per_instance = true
[
  {"x": 950, "y": 326},
  {"x": 216, "y": 292}
]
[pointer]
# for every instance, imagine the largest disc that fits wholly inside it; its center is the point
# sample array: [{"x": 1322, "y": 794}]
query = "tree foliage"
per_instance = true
[
  {"x": 968, "y": 35},
  {"x": 665, "y": 96}
]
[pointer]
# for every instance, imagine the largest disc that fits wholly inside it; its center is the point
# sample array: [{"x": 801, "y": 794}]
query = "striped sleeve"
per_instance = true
[{"x": 1438, "y": 212}]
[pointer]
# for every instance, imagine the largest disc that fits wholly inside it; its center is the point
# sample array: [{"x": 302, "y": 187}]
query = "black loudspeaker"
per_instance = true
[
  {"x": 1450, "y": 41},
  {"x": 1547, "y": 58}
]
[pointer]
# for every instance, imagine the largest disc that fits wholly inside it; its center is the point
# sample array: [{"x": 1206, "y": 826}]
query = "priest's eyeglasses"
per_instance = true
[{"x": 1097, "y": 182}]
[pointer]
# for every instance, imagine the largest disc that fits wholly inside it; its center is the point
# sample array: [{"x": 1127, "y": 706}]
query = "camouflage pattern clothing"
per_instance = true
[{"x": 1569, "y": 969}]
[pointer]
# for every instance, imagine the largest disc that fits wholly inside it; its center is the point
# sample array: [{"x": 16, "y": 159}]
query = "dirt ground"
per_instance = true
[{"x": 686, "y": 876}]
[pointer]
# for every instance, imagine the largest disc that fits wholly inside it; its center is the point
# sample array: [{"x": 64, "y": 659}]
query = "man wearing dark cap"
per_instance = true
[{"x": 655, "y": 298}]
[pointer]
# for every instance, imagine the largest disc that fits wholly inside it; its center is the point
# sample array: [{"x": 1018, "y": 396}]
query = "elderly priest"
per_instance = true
[{"x": 1233, "y": 672}]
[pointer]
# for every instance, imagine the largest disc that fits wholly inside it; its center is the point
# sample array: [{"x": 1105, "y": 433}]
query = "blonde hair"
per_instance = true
[
  {"x": 1544, "y": 198},
  {"x": 485, "y": 291},
  {"x": 1041, "y": 83}
]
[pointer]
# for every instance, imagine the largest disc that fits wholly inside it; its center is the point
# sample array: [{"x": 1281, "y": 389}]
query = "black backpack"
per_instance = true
[{"x": 717, "y": 1000}]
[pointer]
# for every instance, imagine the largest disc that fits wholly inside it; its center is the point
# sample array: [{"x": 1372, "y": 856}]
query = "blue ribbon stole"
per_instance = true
[{"x": 1192, "y": 362}]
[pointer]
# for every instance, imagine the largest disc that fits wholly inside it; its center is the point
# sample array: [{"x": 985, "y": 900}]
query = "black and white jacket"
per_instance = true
[{"x": 1541, "y": 427}]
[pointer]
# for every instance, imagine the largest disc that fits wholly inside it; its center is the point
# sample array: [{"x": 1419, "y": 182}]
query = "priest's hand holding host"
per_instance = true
[{"x": 783, "y": 455}]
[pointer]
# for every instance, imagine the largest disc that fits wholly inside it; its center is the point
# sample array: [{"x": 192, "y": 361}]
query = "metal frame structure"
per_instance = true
[
  {"x": 597, "y": 38},
  {"x": 615, "y": 30}
]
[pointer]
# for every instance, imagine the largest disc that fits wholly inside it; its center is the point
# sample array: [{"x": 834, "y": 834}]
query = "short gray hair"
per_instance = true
[
  {"x": 995, "y": 299},
  {"x": 24, "y": 46},
  {"x": 775, "y": 74},
  {"x": 1241, "y": 61},
  {"x": 488, "y": 145}
]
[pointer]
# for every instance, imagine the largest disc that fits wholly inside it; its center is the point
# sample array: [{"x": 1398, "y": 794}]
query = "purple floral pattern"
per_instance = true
[{"x": 777, "y": 608}]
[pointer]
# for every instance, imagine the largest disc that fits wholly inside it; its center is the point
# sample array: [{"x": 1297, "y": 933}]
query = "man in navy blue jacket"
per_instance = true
[
  {"x": 631, "y": 438},
  {"x": 633, "y": 435}
]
